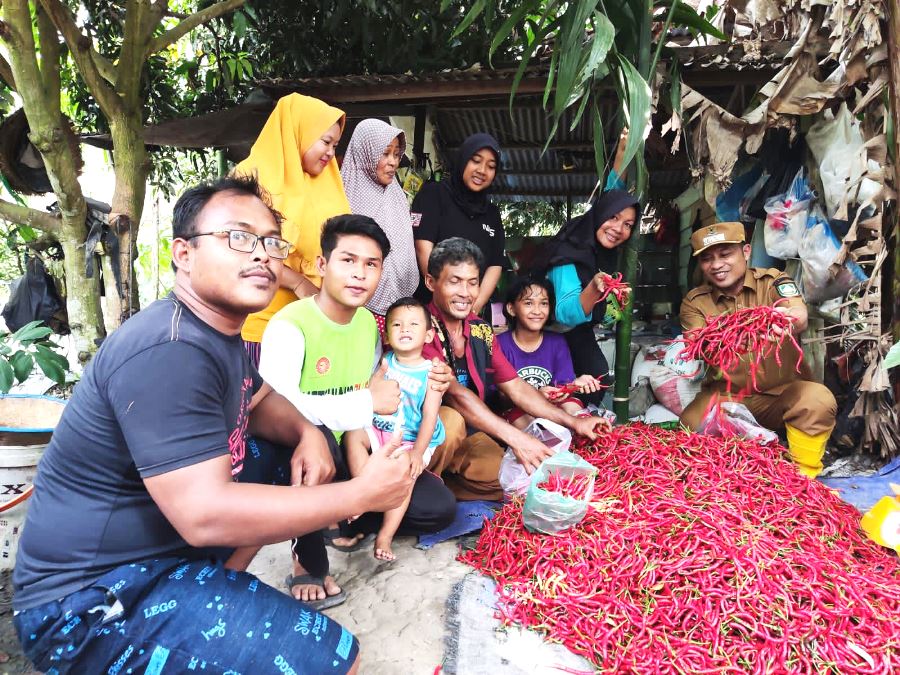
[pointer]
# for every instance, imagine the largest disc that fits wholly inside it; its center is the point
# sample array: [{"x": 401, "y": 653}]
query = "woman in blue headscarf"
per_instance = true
[{"x": 459, "y": 206}]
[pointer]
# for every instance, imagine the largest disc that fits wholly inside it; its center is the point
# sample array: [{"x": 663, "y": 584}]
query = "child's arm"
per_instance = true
[
  {"x": 356, "y": 444},
  {"x": 431, "y": 406}
]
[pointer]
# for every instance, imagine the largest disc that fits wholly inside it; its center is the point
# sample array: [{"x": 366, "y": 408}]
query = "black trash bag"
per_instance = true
[{"x": 33, "y": 297}]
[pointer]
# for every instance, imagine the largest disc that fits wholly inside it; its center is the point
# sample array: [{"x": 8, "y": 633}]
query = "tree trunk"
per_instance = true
[
  {"x": 51, "y": 135},
  {"x": 132, "y": 166},
  {"x": 82, "y": 292}
]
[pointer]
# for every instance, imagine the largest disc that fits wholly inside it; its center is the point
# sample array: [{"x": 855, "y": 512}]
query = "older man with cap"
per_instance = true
[{"x": 785, "y": 398}]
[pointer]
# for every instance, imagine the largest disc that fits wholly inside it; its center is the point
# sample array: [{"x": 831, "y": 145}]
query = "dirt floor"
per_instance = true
[{"x": 396, "y": 610}]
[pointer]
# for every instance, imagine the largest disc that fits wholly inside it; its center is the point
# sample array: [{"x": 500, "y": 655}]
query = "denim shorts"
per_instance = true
[{"x": 179, "y": 616}]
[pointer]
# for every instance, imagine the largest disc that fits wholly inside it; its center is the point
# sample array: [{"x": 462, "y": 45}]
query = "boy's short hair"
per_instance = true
[
  {"x": 517, "y": 289},
  {"x": 352, "y": 224},
  {"x": 408, "y": 301},
  {"x": 453, "y": 251}
]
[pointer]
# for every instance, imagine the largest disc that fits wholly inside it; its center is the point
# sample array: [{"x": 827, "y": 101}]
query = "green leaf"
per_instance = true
[
  {"x": 22, "y": 365},
  {"x": 511, "y": 22},
  {"x": 445, "y": 5},
  {"x": 6, "y": 376},
  {"x": 239, "y": 24},
  {"x": 50, "y": 366},
  {"x": 474, "y": 12},
  {"x": 570, "y": 43},
  {"x": 604, "y": 34},
  {"x": 599, "y": 141},
  {"x": 585, "y": 97},
  {"x": 549, "y": 88},
  {"x": 637, "y": 99},
  {"x": 31, "y": 331},
  {"x": 51, "y": 355},
  {"x": 27, "y": 233},
  {"x": 685, "y": 16}
]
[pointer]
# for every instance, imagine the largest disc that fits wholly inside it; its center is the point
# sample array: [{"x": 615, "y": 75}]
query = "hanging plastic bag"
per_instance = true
[
  {"x": 33, "y": 297},
  {"x": 786, "y": 218},
  {"x": 559, "y": 494},
  {"x": 820, "y": 280},
  {"x": 837, "y": 144},
  {"x": 729, "y": 419},
  {"x": 514, "y": 479}
]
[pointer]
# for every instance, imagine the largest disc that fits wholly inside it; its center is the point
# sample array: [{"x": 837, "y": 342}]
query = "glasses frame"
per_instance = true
[{"x": 256, "y": 239}]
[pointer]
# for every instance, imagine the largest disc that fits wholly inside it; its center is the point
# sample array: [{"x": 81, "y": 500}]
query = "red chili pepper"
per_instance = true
[{"x": 701, "y": 555}]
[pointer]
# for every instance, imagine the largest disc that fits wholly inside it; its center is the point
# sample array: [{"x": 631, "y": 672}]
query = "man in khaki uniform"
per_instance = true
[{"x": 785, "y": 398}]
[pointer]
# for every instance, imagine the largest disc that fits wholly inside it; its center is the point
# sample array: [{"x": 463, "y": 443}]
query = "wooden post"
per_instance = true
[{"x": 893, "y": 32}]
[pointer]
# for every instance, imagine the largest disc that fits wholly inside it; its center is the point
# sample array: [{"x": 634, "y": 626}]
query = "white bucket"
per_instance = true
[
  {"x": 26, "y": 423},
  {"x": 18, "y": 464}
]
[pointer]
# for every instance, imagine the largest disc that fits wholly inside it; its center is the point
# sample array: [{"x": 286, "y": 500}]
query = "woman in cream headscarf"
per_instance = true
[
  {"x": 369, "y": 173},
  {"x": 294, "y": 160}
]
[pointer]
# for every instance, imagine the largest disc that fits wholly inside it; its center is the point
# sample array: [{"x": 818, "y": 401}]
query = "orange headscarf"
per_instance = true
[{"x": 305, "y": 201}]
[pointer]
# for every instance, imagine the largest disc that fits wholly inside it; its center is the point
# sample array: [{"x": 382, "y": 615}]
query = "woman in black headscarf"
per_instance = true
[
  {"x": 582, "y": 256},
  {"x": 459, "y": 207}
]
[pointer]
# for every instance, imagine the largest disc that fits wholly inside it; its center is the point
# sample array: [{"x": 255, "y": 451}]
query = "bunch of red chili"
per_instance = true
[
  {"x": 701, "y": 555},
  {"x": 613, "y": 284},
  {"x": 566, "y": 390},
  {"x": 756, "y": 332},
  {"x": 574, "y": 486}
]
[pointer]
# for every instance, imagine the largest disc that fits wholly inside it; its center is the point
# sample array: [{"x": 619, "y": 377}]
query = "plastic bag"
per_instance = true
[
  {"x": 514, "y": 479},
  {"x": 552, "y": 512},
  {"x": 818, "y": 249},
  {"x": 837, "y": 145},
  {"x": 33, "y": 297},
  {"x": 786, "y": 218},
  {"x": 691, "y": 370},
  {"x": 728, "y": 419}
]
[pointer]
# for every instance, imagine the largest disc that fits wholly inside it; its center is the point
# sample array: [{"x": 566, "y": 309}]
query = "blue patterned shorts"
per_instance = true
[{"x": 181, "y": 616}]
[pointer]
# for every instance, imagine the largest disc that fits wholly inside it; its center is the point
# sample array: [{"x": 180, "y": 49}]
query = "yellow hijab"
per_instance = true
[{"x": 305, "y": 201}]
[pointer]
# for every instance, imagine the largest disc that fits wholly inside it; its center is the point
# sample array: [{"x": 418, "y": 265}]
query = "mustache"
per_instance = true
[{"x": 259, "y": 268}]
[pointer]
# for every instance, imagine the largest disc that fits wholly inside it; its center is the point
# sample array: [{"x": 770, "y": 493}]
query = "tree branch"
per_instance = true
[
  {"x": 6, "y": 73},
  {"x": 48, "y": 39},
  {"x": 24, "y": 215},
  {"x": 191, "y": 22},
  {"x": 85, "y": 56}
]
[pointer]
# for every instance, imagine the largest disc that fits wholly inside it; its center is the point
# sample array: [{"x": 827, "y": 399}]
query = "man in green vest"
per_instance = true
[{"x": 323, "y": 354}]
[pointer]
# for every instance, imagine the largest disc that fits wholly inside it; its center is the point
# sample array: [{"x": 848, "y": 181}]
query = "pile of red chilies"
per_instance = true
[
  {"x": 727, "y": 338},
  {"x": 701, "y": 555},
  {"x": 574, "y": 486},
  {"x": 614, "y": 285}
]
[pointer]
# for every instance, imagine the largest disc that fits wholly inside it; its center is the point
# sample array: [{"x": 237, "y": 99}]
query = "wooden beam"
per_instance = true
[{"x": 893, "y": 33}]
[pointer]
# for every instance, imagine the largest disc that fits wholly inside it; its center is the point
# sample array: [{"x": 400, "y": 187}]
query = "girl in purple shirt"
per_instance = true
[{"x": 541, "y": 358}]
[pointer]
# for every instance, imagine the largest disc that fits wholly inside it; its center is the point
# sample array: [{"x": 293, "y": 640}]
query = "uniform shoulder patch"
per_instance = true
[{"x": 787, "y": 289}]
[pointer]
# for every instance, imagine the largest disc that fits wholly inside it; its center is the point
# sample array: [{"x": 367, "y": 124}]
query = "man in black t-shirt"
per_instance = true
[{"x": 120, "y": 566}]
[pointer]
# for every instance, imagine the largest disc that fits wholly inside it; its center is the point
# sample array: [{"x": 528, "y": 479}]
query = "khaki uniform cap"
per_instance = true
[{"x": 720, "y": 233}]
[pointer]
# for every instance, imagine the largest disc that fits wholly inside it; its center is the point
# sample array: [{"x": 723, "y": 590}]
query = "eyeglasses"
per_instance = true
[{"x": 245, "y": 242}]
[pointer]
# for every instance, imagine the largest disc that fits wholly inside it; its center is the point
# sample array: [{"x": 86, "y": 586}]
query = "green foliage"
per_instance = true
[
  {"x": 535, "y": 219},
  {"x": 592, "y": 44},
  {"x": 289, "y": 39},
  {"x": 30, "y": 345}
]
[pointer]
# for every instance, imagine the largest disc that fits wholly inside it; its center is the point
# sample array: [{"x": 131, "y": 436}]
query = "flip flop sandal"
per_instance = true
[
  {"x": 310, "y": 580},
  {"x": 331, "y": 534}
]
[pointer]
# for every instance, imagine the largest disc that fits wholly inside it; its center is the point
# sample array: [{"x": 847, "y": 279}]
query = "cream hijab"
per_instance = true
[{"x": 386, "y": 205}]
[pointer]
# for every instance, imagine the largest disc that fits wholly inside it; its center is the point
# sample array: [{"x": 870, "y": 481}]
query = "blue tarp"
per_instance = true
[{"x": 864, "y": 491}]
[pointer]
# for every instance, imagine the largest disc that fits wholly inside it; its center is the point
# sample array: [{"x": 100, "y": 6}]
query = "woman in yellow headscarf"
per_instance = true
[{"x": 294, "y": 160}]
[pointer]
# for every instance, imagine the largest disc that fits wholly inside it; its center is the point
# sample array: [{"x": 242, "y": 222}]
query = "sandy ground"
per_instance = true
[{"x": 396, "y": 610}]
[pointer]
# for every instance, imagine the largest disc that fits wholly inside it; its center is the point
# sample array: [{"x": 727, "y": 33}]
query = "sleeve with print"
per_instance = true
[
  {"x": 784, "y": 291},
  {"x": 426, "y": 213},
  {"x": 171, "y": 416}
]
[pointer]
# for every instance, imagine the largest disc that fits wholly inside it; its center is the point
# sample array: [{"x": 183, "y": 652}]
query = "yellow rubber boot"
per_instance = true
[{"x": 807, "y": 450}]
